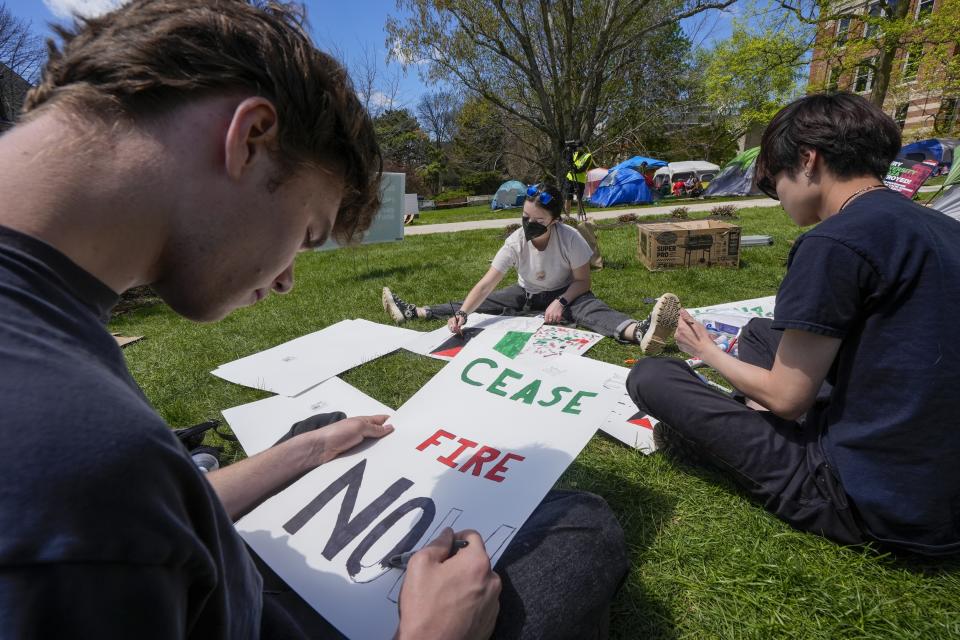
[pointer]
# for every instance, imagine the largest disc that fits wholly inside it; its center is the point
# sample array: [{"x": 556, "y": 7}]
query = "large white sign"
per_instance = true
[{"x": 476, "y": 448}]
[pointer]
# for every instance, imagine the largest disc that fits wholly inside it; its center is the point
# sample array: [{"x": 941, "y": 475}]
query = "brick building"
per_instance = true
[{"x": 915, "y": 97}]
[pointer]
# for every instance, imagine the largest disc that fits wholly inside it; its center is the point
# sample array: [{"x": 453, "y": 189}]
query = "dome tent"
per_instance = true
[
  {"x": 736, "y": 179},
  {"x": 948, "y": 199},
  {"x": 594, "y": 176},
  {"x": 940, "y": 150},
  {"x": 622, "y": 186},
  {"x": 510, "y": 194}
]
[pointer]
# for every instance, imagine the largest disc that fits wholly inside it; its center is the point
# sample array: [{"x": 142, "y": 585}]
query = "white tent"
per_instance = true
[
  {"x": 594, "y": 177},
  {"x": 705, "y": 171}
]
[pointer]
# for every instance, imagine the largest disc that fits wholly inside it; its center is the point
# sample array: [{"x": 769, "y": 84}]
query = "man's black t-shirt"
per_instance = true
[
  {"x": 107, "y": 529},
  {"x": 883, "y": 276}
]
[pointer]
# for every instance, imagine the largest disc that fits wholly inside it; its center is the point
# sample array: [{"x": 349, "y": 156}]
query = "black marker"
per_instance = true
[{"x": 400, "y": 560}]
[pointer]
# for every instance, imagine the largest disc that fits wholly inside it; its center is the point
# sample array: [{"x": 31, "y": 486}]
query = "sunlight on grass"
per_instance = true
[{"x": 706, "y": 563}]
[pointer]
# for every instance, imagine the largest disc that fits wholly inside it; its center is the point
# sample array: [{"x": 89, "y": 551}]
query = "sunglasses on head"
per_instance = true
[
  {"x": 535, "y": 193},
  {"x": 768, "y": 187}
]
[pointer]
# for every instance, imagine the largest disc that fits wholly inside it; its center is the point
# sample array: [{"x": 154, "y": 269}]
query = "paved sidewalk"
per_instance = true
[{"x": 595, "y": 215}]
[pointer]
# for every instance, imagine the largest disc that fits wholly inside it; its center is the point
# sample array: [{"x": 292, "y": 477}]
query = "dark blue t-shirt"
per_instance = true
[
  {"x": 107, "y": 529},
  {"x": 883, "y": 276}
]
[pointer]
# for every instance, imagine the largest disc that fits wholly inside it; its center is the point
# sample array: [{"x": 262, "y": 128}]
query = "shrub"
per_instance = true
[
  {"x": 509, "y": 229},
  {"x": 681, "y": 213},
  {"x": 453, "y": 194},
  {"x": 724, "y": 211},
  {"x": 627, "y": 218}
]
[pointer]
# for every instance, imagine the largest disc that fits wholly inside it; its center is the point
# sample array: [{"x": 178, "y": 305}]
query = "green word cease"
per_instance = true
[{"x": 511, "y": 384}]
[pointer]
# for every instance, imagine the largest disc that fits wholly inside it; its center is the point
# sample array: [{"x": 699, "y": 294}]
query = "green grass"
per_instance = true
[
  {"x": 706, "y": 563},
  {"x": 483, "y": 212}
]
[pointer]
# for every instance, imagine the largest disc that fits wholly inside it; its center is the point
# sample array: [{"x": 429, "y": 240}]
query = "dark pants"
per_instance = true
[
  {"x": 559, "y": 575},
  {"x": 778, "y": 462},
  {"x": 586, "y": 310}
]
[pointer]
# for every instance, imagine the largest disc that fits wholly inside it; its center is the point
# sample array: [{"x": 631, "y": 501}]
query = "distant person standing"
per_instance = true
[{"x": 581, "y": 161}]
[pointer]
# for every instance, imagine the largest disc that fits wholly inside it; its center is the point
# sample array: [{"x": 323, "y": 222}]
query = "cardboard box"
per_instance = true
[{"x": 698, "y": 243}]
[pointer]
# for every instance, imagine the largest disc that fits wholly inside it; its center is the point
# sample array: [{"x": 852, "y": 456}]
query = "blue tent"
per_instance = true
[
  {"x": 636, "y": 161},
  {"x": 622, "y": 186},
  {"x": 937, "y": 149},
  {"x": 510, "y": 194}
]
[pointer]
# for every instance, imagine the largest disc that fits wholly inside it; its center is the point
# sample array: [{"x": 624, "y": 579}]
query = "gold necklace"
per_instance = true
[{"x": 860, "y": 192}]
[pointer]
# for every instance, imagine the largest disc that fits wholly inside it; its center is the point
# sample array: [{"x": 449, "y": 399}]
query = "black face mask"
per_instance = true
[{"x": 532, "y": 230}]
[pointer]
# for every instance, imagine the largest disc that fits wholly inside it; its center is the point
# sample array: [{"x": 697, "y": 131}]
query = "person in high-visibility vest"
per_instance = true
[{"x": 582, "y": 162}]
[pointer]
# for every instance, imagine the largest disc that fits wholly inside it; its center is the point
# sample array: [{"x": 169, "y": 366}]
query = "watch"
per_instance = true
[
  {"x": 563, "y": 301},
  {"x": 461, "y": 313}
]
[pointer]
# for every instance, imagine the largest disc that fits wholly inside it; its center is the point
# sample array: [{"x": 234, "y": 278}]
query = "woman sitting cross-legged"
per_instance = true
[{"x": 553, "y": 274}]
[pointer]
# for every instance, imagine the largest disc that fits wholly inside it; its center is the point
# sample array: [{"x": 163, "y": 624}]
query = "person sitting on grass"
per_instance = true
[
  {"x": 846, "y": 424},
  {"x": 553, "y": 276},
  {"x": 197, "y": 147}
]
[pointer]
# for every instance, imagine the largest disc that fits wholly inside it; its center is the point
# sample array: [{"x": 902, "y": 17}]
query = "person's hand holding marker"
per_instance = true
[
  {"x": 456, "y": 322},
  {"x": 449, "y": 596},
  {"x": 693, "y": 338}
]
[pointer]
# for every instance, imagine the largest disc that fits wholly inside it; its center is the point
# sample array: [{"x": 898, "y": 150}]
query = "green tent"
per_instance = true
[
  {"x": 948, "y": 199},
  {"x": 736, "y": 179}
]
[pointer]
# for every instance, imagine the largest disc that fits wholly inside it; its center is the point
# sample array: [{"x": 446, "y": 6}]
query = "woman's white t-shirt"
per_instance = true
[{"x": 546, "y": 270}]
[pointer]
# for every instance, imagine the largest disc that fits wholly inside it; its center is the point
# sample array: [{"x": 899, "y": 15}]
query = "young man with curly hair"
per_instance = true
[{"x": 196, "y": 147}]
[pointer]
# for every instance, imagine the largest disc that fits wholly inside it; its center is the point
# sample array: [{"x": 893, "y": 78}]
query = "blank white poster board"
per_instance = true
[
  {"x": 476, "y": 448},
  {"x": 258, "y": 425},
  {"x": 295, "y": 366}
]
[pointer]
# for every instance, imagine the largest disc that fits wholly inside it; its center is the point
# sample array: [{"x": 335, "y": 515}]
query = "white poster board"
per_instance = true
[
  {"x": 258, "y": 425},
  {"x": 443, "y": 345},
  {"x": 752, "y": 308},
  {"x": 554, "y": 340},
  {"x": 476, "y": 448},
  {"x": 295, "y": 366}
]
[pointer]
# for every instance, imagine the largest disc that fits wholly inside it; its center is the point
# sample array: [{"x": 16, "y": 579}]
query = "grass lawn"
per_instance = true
[
  {"x": 483, "y": 212},
  {"x": 706, "y": 563}
]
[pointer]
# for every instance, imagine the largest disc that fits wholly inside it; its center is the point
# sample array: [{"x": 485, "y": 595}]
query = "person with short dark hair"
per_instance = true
[
  {"x": 845, "y": 419},
  {"x": 197, "y": 147},
  {"x": 553, "y": 275}
]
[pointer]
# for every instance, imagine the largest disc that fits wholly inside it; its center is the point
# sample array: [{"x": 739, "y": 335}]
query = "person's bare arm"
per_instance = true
[
  {"x": 579, "y": 286},
  {"x": 789, "y": 388},
  {"x": 243, "y": 485},
  {"x": 478, "y": 294}
]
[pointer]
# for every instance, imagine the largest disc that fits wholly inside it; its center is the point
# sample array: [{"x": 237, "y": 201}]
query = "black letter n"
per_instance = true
[{"x": 346, "y": 529}]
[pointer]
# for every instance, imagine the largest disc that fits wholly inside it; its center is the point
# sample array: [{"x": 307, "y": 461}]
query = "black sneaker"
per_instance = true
[
  {"x": 399, "y": 310},
  {"x": 652, "y": 334}
]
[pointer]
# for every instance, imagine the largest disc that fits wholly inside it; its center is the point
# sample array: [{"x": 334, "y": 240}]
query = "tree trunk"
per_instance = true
[{"x": 881, "y": 74}]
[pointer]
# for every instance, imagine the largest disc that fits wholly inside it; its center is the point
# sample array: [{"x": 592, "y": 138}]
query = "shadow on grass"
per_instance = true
[
  {"x": 635, "y": 612},
  {"x": 694, "y": 464},
  {"x": 385, "y": 272}
]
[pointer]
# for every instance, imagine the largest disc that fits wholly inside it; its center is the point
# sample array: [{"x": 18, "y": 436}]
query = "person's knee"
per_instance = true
[
  {"x": 645, "y": 384},
  {"x": 608, "y": 548}
]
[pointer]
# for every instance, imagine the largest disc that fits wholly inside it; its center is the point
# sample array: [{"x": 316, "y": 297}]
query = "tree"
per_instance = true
[
  {"x": 752, "y": 74},
  {"x": 437, "y": 114},
  {"x": 20, "y": 53},
  {"x": 556, "y": 67},
  {"x": 868, "y": 38},
  {"x": 402, "y": 143}
]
